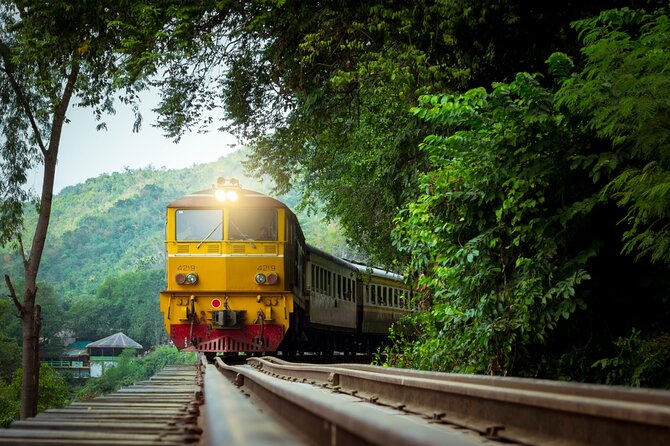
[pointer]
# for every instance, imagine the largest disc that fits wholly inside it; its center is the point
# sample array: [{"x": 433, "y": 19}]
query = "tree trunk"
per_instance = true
[
  {"x": 30, "y": 313},
  {"x": 30, "y": 362}
]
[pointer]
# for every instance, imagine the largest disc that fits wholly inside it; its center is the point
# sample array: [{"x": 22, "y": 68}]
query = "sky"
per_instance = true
[{"x": 86, "y": 153}]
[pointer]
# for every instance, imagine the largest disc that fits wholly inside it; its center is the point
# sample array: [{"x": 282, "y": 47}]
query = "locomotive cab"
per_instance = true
[{"x": 231, "y": 273}]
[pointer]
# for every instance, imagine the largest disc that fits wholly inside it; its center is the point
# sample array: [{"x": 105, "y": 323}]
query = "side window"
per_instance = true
[
  {"x": 198, "y": 224},
  {"x": 313, "y": 278}
]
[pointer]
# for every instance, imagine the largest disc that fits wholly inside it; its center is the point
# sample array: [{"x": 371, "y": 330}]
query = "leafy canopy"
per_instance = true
[
  {"x": 489, "y": 235},
  {"x": 622, "y": 93}
]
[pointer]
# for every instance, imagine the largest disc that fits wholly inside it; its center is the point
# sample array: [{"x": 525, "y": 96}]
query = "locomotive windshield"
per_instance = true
[
  {"x": 252, "y": 224},
  {"x": 199, "y": 224}
]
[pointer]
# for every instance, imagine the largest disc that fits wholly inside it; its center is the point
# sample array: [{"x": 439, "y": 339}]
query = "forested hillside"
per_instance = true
[{"x": 102, "y": 267}]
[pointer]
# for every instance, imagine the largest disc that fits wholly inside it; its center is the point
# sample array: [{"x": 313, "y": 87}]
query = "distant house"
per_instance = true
[
  {"x": 104, "y": 353},
  {"x": 73, "y": 360}
]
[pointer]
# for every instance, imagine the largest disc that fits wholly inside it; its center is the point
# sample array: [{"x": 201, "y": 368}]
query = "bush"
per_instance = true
[
  {"x": 131, "y": 369},
  {"x": 53, "y": 392}
]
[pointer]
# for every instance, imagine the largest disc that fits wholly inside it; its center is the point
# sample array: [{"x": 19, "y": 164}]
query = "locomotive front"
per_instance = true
[{"x": 228, "y": 276}]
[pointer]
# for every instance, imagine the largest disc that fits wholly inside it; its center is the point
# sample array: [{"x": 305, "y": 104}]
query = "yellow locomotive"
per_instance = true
[{"x": 240, "y": 278}]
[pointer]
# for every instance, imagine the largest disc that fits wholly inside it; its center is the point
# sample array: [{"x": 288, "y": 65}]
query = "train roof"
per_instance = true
[
  {"x": 363, "y": 269},
  {"x": 206, "y": 199}
]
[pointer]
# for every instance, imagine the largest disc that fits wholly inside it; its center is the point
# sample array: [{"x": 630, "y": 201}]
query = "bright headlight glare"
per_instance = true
[
  {"x": 220, "y": 195},
  {"x": 260, "y": 278},
  {"x": 231, "y": 195},
  {"x": 191, "y": 278}
]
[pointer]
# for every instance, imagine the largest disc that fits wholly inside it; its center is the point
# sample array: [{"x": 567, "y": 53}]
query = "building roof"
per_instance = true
[{"x": 117, "y": 340}]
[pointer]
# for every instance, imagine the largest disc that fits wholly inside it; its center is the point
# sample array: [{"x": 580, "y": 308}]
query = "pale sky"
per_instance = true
[{"x": 86, "y": 153}]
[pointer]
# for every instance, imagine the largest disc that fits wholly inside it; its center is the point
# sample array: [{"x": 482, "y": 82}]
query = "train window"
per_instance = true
[
  {"x": 395, "y": 297},
  {"x": 199, "y": 224},
  {"x": 252, "y": 224},
  {"x": 373, "y": 297},
  {"x": 313, "y": 278},
  {"x": 384, "y": 301},
  {"x": 338, "y": 280}
]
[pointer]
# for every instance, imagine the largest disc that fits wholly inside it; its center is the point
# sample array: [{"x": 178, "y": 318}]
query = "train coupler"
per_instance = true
[{"x": 228, "y": 318}]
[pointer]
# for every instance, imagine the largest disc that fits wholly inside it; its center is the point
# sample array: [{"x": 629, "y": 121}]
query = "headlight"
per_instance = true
[
  {"x": 260, "y": 278},
  {"x": 220, "y": 195},
  {"x": 191, "y": 278},
  {"x": 272, "y": 278},
  {"x": 225, "y": 195},
  {"x": 180, "y": 278}
]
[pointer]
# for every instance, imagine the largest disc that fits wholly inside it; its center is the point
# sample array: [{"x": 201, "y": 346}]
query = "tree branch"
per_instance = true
[
  {"x": 9, "y": 69},
  {"x": 12, "y": 294},
  {"x": 22, "y": 250}
]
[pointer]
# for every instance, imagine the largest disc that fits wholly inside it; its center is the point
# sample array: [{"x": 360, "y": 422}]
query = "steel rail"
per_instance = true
[
  {"x": 333, "y": 418},
  {"x": 230, "y": 419},
  {"x": 512, "y": 409}
]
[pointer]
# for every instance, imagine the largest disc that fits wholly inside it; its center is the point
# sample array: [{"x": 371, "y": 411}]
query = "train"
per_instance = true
[{"x": 240, "y": 278}]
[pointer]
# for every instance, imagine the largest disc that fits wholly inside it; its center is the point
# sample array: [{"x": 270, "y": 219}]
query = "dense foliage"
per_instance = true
[
  {"x": 324, "y": 92},
  {"x": 621, "y": 94},
  {"x": 514, "y": 237},
  {"x": 53, "y": 393},
  {"x": 493, "y": 234},
  {"x": 534, "y": 220}
]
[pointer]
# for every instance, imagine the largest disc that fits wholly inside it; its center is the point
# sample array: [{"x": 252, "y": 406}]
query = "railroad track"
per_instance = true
[
  {"x": 268, "y": 401},
  {"x": 332, "y": 404},
  {"x": 160, "y": 411}
]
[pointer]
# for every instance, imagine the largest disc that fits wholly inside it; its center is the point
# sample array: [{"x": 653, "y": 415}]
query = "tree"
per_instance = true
[
  {"x": 491, "y": 236},
  {"x": 622, "y": 94},
  {"x": 53, "y": 393},
  {"x": 10, "y": 356},
  {"x": 532, "y": 190},
  {"x": 122, "y": 303},
  {"x": 50, "y": 53},
  {"x": 323, "y": 93}
]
